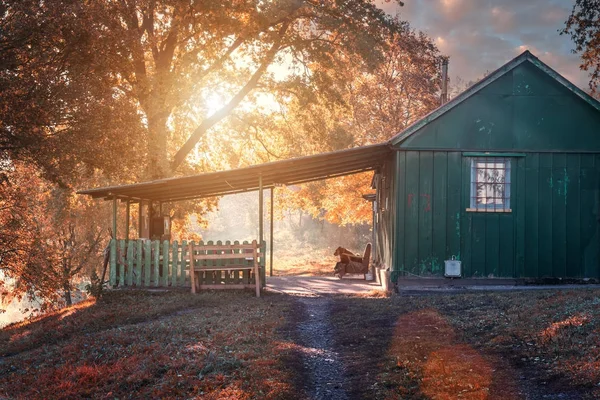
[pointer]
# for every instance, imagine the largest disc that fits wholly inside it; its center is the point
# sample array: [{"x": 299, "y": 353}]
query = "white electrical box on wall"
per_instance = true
[{"x": 452, "y": 268}]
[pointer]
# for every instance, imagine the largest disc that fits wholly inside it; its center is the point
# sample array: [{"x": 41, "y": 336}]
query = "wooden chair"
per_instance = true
[{"x": 356, "y": 267}]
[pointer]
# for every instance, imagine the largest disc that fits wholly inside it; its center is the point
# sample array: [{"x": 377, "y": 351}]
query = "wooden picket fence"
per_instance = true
[{"x": 152, "y": 263}]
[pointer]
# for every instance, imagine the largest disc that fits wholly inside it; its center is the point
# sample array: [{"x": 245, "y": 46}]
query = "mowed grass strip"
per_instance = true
[
  {"x": 137, "y": 344},
  {"x": 471, "y": 345}
]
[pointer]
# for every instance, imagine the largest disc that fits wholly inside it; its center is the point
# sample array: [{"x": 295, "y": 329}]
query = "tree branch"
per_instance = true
[{"x": 233, "y": 103}]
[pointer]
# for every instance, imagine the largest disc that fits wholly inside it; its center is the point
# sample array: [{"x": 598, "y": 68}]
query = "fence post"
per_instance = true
[
  {"x": 113, "y": 262},
  {"x": 147, "y": 262},
  {"x": 165, "y": 264},
  {"x": 156, "y": 263},
  {"x": 138, "y": 263}
]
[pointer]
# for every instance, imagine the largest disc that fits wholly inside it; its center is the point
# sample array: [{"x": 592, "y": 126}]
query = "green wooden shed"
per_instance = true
[{"x": 505, "y": 178}]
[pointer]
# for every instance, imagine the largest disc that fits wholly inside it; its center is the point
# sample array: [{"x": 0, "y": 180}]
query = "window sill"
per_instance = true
[{"x": 491, "y": 210}]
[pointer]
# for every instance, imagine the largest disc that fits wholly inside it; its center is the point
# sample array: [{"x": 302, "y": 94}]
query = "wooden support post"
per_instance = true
[
  {"x": 127, "y": 221},
  {"x": 114, "y": 218},
  {"x": 140, "y": 219},
  {"x": 260, "y": 209},
  {"x": 271, "y": 237}
]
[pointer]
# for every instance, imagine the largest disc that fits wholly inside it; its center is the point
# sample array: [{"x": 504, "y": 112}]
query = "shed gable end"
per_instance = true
[{"x": 524, "y": 109}]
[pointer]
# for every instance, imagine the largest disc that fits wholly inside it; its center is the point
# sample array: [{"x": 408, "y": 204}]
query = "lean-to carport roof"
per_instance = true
[{"x": 285, "y": 172}]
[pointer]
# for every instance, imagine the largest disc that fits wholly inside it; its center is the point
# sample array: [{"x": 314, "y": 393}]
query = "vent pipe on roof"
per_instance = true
[{"x": 444, "y": 98}]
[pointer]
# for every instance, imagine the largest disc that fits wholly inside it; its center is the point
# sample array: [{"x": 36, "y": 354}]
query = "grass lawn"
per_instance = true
[
  {"x": 231, "y": 345},
  {"x": 150, "y": 345},
  {"x": 492, "y": 345}
]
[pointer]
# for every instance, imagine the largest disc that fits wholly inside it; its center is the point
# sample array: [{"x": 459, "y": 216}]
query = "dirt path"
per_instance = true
[
  {"x": 324, "y": 370},
  {"x": 352, "y": 350}
]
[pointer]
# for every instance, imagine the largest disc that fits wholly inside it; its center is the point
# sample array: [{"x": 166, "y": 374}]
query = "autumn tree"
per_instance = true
[
  {"x": 151, "y": 63},
  {"x": 371, "y": 108},
  {"x": 583, "y": 25}
]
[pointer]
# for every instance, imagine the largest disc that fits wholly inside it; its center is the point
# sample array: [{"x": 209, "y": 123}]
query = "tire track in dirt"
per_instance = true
[{"x": 325, "y": 371}]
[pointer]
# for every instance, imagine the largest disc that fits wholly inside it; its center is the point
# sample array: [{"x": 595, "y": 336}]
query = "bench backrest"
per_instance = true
[{"x": 197, "y": 253}]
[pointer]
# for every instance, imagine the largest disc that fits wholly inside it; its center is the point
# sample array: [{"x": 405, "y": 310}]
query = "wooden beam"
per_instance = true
[
  {"x": 260, "y": 210},
  {"x": 271, "y": 237}
]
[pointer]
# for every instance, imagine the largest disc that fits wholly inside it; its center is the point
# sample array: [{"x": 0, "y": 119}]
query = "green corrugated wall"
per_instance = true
[
  {"x": 553, "y": 228},
  {"x": 553, "y": 140}
]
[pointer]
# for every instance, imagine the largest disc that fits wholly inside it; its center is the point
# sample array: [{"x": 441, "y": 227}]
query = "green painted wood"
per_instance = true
[
  {"x": 236, "y": 274},
  {"x": 246, "y": 273},
  {"x": 506, "y": 226},
  {"x": 545, "y": 189},
  {"x": 439, "y": 203},
  {"x": 425, "y": 242},
  {"x": 532, "y": 165},
  {"x": 488, "y": 154},
  {"x": 219, "y": 278},
  {"x": 412, "y": 212},
  {"x": 165, "y": 263},
  {"x": 492, "y": 246},
  {"x": 130, "y": 261},
  {"x": 529, "y": 113},
  {"x": 263, "y": 264},
  {"x": 559, "y": 206},
  {"x": 147, "y": 262},
  {"x": 138, "y": 262},
  {"x": 466, "y": 219},
  {"x": 184, "y": 266},
  {"x": 478, "y": 266},
  {"x": 175, "y": 264},
  {"x": 228, "y": 274},
  {"x": 113, "y": 262},
  {"x": 518, "y": 216},
  {"x": 400, "y": 177},
  {"x": 121, "y": 262},
  {"x": 454, "y": 207},
  {"x": 573, "y": 218},
  {"x": 588, "y": 225},
  {"x": 156, "y": 261}
]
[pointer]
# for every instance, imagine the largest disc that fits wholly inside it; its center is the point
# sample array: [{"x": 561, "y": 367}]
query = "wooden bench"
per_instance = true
[{"x": 229, "y": 252}]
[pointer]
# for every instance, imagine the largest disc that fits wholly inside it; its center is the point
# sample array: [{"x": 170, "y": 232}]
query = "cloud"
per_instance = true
[{"x": 482, "y": 35}]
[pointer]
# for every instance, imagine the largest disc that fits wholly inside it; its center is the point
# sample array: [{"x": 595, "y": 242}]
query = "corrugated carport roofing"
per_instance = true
[{"x": 285, "y": 172}]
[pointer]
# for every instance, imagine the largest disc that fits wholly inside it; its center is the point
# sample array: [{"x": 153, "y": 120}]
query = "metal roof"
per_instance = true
[
  {"x": 285, "y": 172},
  {"x": 526, "y": 56}
]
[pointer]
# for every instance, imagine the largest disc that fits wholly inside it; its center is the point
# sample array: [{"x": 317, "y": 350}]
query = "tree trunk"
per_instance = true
[
  {"x": 158, "y": 165},
  {"x": 67, "y": 294}
]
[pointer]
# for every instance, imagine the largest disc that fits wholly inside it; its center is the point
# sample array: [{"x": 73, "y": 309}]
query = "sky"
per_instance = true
[{"x": 482, "y": 35}]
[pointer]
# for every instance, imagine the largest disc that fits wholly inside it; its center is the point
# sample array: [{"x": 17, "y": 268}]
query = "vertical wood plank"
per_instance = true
[
  {"x": 454, "y": 210},
  {"x": 439, "y": 203},
  {"x": 184, "y": 277},
  {"x": 519, "y": 217},
  {"x": 174, "y": 263},
  {"x": 245, "y": 273},
  {"x": 412, "y": 212},
  {"x": 121, "y": 262},
  {"x": 192, "y": 264},
  {"x": 113, "y": 262},
  {"x": 532, "y": 166},
  {"x": 263, "y": 264},
  {"x": 573, "y": 228},
  {"x": 209, "y": 276},
  {"x": 130, "y": 261},
  {"x": 400, "y": 238},
  {"x": 546, "y": 185},
  {"x": 219, "y": 263},
  {"x": 236, "y": 274},
  {"x": 138, "y": 262},
  {"x": 425, "y": 244},
  {"x": 156, "y": 259},
  {"x": 165, "y": 263},
  {"x": 559, "y": 210},
  {"x": 227, "y": 280},
  {"x": 147, "y": 261}
]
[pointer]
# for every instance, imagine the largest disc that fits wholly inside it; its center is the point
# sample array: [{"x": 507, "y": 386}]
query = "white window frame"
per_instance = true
[{"x": 474, "y": 195}]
